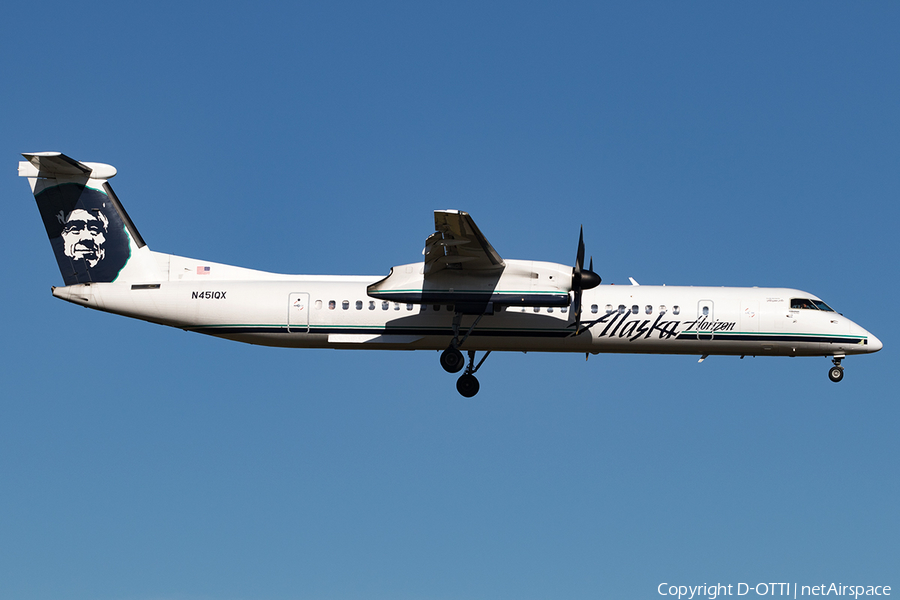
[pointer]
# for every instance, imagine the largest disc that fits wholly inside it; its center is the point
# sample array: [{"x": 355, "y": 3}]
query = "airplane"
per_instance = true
[{"x": 463, "y": 296}]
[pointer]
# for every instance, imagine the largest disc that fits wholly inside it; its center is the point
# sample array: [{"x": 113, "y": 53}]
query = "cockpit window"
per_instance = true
[
  {"x": 822, "y": 306},
  {"x": 810, "y": 304}
]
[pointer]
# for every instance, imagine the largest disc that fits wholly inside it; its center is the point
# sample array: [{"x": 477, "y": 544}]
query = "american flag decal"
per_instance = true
[{"x": 202, "y": 270}]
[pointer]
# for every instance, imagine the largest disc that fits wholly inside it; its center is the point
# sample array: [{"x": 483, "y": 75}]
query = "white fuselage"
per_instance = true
[{"x": 335, "y": 312}]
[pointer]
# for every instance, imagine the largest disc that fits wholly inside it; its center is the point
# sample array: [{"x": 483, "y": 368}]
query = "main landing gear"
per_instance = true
[
  {"x": 467, "y": 385},
  {"x": 836, "y": 373},
  {"x": 452, "y": 359}
]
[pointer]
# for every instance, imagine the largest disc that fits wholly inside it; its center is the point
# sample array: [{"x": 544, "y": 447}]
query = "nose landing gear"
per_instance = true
[{"x": 836, "y": 373}]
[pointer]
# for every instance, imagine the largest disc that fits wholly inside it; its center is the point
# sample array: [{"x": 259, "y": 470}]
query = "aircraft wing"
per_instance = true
[
  {"x": 462, "y": 269},
  {"x": 457, "y": 243}
]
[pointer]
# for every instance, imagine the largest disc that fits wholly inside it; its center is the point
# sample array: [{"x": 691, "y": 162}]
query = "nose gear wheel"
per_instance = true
[{"x": 836, "y": 373}]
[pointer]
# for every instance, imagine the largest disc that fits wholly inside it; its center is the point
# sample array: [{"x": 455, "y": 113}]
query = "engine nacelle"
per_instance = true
[{"x": 518, "y": 283}]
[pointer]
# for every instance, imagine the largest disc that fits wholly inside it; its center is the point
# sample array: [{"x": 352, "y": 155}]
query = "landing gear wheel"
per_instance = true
[
  {"x": 467, "y": 385},
  {"x": 452, "y": 360},
  {"x": 836, "y": 374}
]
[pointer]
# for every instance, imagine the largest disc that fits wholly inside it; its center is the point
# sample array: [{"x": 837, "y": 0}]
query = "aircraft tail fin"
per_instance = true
[{"x": 92, "y": 236}]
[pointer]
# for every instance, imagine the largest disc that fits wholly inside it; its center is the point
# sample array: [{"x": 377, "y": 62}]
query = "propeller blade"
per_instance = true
[
  {"x": 577, "y": 311},
  {"x": 579, "y": 257},
  {"x": 581, "y": 280}
]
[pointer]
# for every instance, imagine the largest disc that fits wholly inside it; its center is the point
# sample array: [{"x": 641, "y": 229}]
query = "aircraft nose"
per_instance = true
[{"x": 873, "y": 344}]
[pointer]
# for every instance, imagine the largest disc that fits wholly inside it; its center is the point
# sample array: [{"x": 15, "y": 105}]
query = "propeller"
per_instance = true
[{"x": 582, "y": 279}]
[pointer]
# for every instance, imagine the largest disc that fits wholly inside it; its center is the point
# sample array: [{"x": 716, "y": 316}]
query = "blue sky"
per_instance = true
[{"x": 704, "y": 143}]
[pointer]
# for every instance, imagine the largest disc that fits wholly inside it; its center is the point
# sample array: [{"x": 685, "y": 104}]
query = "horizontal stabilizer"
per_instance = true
[{"x": 57, "y": 164}]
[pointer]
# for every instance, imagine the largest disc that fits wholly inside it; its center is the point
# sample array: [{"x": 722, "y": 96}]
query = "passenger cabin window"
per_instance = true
[
  {"x": 564, "y": 309},
  {"x": 676, "y": 310},
  {"x": 662, "y": 309},
  {"x": 621, "y": 309},
  {"x": 359, "y": 305},
  {"x": 609, "y": 309},
  {"x": 549, "y": 309},
  {"x": 385, "y": 305},
  {"x": 409, "y": 307},
  {"x": 594, "y": 308},
  {"x": 705, "y": 311},
  {"x": 635, "y": 309},
  {"x": 318, "y": 304},
  {"x": 648, "y": 309},
  {"x": 436, "y": 307},
  {"x": 396, "y": 306},
  {"x": 331, "y": 304},
  {"x": 537, "y": 309},
  {"x": 345, "y": 305},
  {"x": 371, "y": 305}
]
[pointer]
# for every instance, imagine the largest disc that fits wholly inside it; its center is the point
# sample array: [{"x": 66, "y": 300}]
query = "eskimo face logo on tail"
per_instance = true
[
  {"x": 84, "y": 235},
  {"x": 86, "y": 231}
]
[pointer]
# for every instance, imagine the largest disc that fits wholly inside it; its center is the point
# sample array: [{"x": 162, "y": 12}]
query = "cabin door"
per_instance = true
[
  {"x": 705, "y": 318},
  {"x": 298, "y": 313}
]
